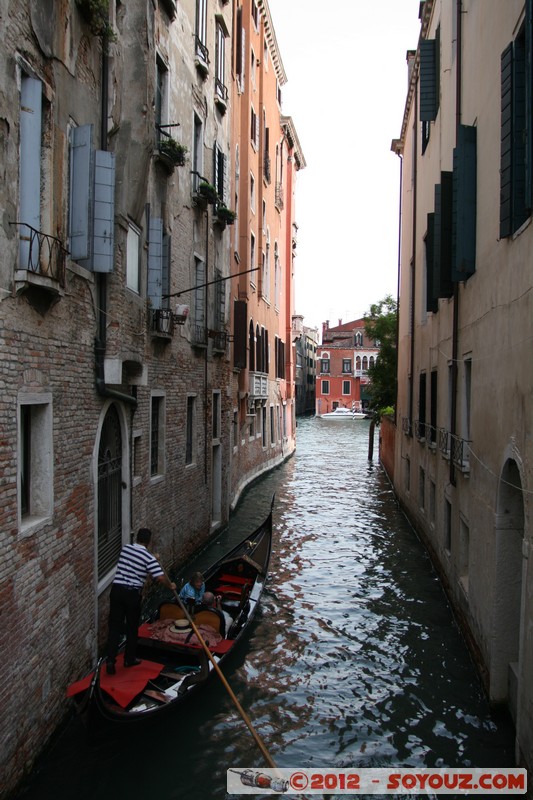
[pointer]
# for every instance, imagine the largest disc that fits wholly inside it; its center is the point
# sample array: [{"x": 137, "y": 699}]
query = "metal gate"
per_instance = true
[{"x": 109, "y": 493}]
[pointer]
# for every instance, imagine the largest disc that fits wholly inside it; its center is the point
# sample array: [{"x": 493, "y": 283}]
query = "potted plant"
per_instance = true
[
  {"x": 96, "y": 13},
  {"x": 173, "y": 150},
  {"x": 226, "y": 215},
  {"x": 208, "y": 191}
]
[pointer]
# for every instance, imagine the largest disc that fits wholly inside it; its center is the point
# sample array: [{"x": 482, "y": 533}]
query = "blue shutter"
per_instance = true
[
  {"x": 104, "y": 211},
  {"x": 165, "y": 271},
  {"x": 464, "y": 203},
  {"x": 80, "y": 191},
  {"x": 30, "y": 169},
  {"x": 155, "y": 262},
  {"x": 428, "y": 80}
]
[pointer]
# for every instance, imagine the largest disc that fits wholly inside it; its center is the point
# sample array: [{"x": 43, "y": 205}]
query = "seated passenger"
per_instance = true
[
  {"x": 193, "y": 591},
  {"x": 208, "y": 604}
]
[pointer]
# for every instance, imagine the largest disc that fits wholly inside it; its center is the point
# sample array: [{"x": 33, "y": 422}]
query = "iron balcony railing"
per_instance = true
[
  {"x": 460, "y": 453},
  {"x": 450, "y": 446},
  {"x": 221, "y": 92},
  {"x": 202, "y": 53},
  {"x": 199, "y": 335},
  {"x": 41, "y": 253},
  {"x": 163, "y": 321}
]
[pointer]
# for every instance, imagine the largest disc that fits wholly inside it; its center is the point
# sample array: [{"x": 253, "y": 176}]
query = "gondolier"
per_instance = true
[{"x": 134, "y": 565}]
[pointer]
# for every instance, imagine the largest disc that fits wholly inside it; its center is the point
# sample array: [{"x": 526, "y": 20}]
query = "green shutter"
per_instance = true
[
  {"x": 442, "y": 261},
  {"x": 506, "y": 139},
  {"x": 428, "y": 80},
  {"x": 519, "y": 214},
  {"x": 464, "y": 203},
  {"x": 432, "y": 303}
]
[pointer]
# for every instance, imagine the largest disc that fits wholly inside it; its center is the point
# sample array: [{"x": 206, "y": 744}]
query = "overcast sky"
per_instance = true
[{"x": 346, "y": 88}]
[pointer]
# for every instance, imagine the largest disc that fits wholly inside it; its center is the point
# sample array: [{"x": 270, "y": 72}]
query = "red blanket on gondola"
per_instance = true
[{"x": 125, "y": 685}]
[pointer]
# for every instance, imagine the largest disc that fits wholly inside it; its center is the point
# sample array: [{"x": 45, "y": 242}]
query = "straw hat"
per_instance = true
[{"x": 181, "y": 626}]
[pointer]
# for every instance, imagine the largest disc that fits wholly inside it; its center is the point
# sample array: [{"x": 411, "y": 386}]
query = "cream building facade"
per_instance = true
[{"x": 463, "y": 450}]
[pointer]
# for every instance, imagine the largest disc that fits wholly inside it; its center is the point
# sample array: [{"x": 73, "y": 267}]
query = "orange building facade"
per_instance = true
[
  {"x": 266, "y": 159},
  {"x": 343, "y": 360}
]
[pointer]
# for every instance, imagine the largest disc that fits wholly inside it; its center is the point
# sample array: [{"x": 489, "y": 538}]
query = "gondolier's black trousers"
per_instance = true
[{"x": 124, "y": 607}]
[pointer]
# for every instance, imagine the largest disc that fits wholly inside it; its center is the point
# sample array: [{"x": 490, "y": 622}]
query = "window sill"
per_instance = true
[{"x": 32, "y": 523}]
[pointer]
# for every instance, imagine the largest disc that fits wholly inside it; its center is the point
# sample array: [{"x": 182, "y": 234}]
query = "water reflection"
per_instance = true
[{"x": 354, "y": 659}]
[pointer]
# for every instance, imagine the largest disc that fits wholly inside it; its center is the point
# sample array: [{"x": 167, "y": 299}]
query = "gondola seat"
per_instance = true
[
  {"x": 212, "y": 618},
  {"x": 171, "y": 611}
]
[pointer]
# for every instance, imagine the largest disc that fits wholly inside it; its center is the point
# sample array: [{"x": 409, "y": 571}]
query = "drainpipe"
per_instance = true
[
  {"x": 455, "y": 329},
  {"x": 100, "y": 340}
]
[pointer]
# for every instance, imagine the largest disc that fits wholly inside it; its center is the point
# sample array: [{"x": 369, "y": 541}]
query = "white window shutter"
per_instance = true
[
  {"x": 104, "y": 211},
  {"x": 80, "y": 192},
  {"x": 155, "y": 262}
]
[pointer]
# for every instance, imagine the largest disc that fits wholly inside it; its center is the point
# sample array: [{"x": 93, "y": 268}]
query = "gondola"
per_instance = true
[{"x": 174, "y": 663}]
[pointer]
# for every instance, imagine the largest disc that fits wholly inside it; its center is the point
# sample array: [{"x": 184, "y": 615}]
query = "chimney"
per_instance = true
[{"x": 340, "y": 322}]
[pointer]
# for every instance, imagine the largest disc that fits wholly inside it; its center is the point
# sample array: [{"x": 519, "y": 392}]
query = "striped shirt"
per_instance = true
[{"x": 134, "y": 565}]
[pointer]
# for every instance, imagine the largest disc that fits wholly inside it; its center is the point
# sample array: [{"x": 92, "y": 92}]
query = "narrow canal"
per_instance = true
[{"x": 354, "y": 659}]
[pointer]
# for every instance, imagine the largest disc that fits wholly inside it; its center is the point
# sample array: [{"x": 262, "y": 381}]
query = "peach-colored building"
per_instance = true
[{"x": 266, "y": 159}]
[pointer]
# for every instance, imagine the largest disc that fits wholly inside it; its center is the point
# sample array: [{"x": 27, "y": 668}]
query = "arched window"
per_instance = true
[
  {"x": 258, "y": 349},
  {"x": 365, "y": 363},
  {"x": 109, "y": 493}
]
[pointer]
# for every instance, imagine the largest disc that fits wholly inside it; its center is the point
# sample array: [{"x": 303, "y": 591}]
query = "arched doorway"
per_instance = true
[{"x": 508, "y": 588}]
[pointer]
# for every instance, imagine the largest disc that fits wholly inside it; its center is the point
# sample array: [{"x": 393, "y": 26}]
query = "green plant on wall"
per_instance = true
[
  {"x": 208, "y": 191},
  {"x": 175, "y": 151},
  {"x": 226, "y": 215},
  {"x": 96, "y": 13}
]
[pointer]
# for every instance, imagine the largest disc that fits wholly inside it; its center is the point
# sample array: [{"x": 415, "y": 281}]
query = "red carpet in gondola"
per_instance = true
[{"x": 125, "y": 685}]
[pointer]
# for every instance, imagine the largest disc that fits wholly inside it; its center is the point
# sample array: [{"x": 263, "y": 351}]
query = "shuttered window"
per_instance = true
[
  {"x": 464, "y": 204},
  {"x": 432, "y": 303},
  {"x": 442, "y": 255},
  {"x": 31, "y": 92},
  {"x": 155, "y": 262},
  {"x": 429, "y": 78},
  {"x": 92, "y": 202},
  {"x": 239, "y": 333},
  {"x": 516, "y": 132}
]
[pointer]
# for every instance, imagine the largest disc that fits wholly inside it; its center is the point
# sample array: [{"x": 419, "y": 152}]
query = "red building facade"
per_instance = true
[{"x": 343, "y": 360}]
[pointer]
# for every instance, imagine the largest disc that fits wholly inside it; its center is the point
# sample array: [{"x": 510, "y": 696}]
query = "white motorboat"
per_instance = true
[{"x": 344, "y": 413}]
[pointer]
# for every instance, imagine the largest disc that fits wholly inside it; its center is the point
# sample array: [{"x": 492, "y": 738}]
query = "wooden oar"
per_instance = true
[{"x": 227, "y": 687}]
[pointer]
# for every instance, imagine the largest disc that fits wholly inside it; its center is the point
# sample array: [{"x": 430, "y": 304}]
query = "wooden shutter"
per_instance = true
[
  {"x": 506, "y": 139},
  {"x": 104, "y": 211},
  {"x": 31, "y": 93},
  {"x": 432, "y": 303},
  {"x": 80, "y": 192},
  {"x": 442, "y": 260},
  {"x": 240, "y": 333},
  {"x": 428, "y": 80},
  {"x": 464, "y": 203},
  {"x": 155, "y": 262}
]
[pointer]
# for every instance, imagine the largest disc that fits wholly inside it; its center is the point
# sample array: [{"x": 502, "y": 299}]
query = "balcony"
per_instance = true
[
  {"x": 162, "y": 323},
  {"x": 199, "y": 336},
  {"x": 42, "y": 258},
  {"x": 221, "y": 96},
  {"x": 201, "y": 59},
  {"x": 460, "y": 453},
  {"x": 258, "y": 386}
]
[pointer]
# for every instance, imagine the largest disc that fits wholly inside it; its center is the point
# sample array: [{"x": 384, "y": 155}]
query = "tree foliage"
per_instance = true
[{"x": 381, "y": 326}]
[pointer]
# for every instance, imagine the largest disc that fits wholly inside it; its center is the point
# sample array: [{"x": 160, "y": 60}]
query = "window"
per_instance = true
[
  {"x": 220, "y": 173},
  {"x": 199, "y": 299},
  {"x": 464, "y": 554},
  {"x": 137, "y": 468},
  {"x": 161, "y": 100},
  {"x": 277, "y": 276},
  {"x": 216, "y": 415},
  {"x": 252, "y": 258},
  {"x": 432, "y": 502},
  {"x": 346, "y": 364},
  {"x": 421, "y": 488},
  {"x": 91, "y": 222},
  {"x": 158, "y": 264},
  {"x": 447, "y": 526},
  {"x": 433, "y": 406},
  {"x": 253, "y": 68},
  {"x": 201, "y": 27},
  {"x": 255, "y": 14},
  {"x": 325, "y": 387},
  {"x": 467, "y": 397},
  {"x": 465, "y": 203},
  {"x": 264, "y": 425},
  {"x": 432, "y": 301},
  {"x": 157, "y": 435},
  {"x": 35, "y": 458},
  {"x": 272, "y": 426},
  {"x": 133, "y": 277},
  {"x": 31, "y": 102},
  {"x": 264, "y": 216},
  {"x": 197, "y": 151},
  {"x": 441, "y": 279},
  {"x": 422, "y": 405},
  {"x": 254, "y": 128},
  {"x": 220, "y": 308},
  {"x": 324, "y": 365},
  {"x": 240, "y": 50},
  {"x": 220, "y": 64},
  {"x": 252, "y": 193},
  {"x": 251, "y": 345},
  {"x": 516, "y": 152},
  {"x": 346, "y": 388},
  {"x": 407, "y": 463},
  {"x": 265, "y": 288},
  {"x": 190, "y": 430},
  {"x": 358, "y": 339}
]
